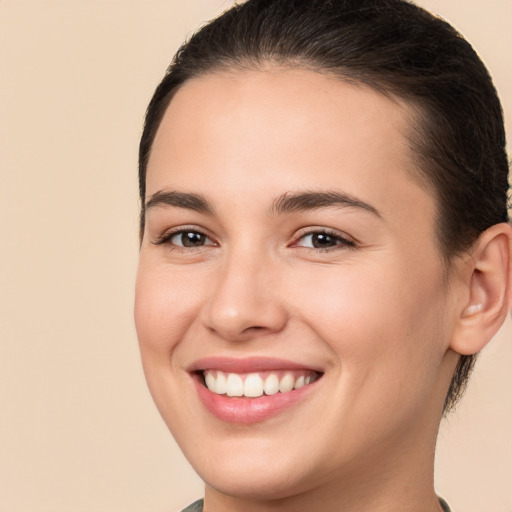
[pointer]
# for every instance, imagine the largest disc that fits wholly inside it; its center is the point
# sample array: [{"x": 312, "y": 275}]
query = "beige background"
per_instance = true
[{"x": 78, "y": 431}]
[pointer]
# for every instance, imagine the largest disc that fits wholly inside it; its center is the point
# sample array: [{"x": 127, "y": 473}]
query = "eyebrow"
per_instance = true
[
  {"x": 195, "y": 202},
  {"x": 305, "y": 201},
  {"x": 286, "y": 203}
]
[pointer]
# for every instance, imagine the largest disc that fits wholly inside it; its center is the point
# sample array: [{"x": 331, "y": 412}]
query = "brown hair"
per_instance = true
[{"x": 398, "y": 49}]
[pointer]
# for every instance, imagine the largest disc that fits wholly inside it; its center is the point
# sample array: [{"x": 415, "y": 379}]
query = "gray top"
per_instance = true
[
  {"x": 445, "y": 506},
  {"x": 197, "y": 506}
]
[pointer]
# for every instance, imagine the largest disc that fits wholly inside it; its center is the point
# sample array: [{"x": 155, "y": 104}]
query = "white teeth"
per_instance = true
[
  {"x": 253, "y": 385},
  {"x": 271, "y": 385},
  {"x": 300, "y": 382},
  {"x": 234, "y": 385},
  {"x": 210, "y": 382},
  {"x": 221, "y": 385},
  {"x": 286, "y": 383}
]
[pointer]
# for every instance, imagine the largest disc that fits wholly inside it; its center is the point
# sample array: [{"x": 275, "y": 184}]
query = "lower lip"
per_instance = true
[{"x": 245, "y": 411}]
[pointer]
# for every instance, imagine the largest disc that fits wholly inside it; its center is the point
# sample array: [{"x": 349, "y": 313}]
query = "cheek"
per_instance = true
[
  {"x": 379, "y": 321},
  {"x": 382, "y": 330},
  {"x": 165, "y": 305},
  {"x": 166, "y": 302}
]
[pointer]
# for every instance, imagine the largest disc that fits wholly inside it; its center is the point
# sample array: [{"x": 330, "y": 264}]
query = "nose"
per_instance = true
[{"x": 245, "y": 299}]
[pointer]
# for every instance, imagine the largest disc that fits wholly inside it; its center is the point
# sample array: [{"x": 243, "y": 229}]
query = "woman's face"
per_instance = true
[{"x": 288, "y": 244}]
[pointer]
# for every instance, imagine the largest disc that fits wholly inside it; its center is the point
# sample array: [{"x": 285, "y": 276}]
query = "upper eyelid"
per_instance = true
[
  {"x": 168, "y": 234},
  {"x": 299, "y": 234},
  {"x": 328, "y": 231},
  {"x": 345, "y": 241}
]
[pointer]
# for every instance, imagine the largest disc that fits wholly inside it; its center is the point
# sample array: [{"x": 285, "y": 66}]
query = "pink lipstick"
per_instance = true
[{"x": 251, "y": 390}]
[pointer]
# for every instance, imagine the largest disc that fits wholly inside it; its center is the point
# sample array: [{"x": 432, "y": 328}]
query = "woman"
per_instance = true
[{"x": 324, "y": 249}]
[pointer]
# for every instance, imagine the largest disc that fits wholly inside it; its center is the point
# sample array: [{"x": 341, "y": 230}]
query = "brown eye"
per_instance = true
[
  {"x": 190, "y": 239},
  {"x": 323, "y": 240},
  {"x": 183, "y": 239}
]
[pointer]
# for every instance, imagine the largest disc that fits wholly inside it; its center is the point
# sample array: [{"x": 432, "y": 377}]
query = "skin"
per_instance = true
[{"x": 376, "y": 315}]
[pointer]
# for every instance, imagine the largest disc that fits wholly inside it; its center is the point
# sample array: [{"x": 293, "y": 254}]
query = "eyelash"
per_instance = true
[
  {"x": 341, "y": 241},
  {"x": 166, "y": 238}
]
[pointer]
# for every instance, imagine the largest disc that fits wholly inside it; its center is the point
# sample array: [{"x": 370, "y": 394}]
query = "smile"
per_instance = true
[
  {"x": 254, "y": 385},
  {"x": 247, "y": 391}
]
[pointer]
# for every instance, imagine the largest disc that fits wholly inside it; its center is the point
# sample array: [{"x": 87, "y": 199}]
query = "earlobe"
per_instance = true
[{"x": 489, "y": 283}]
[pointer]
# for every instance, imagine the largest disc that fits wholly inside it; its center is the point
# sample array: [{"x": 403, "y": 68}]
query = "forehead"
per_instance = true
[{"x": 240, "y": 132}]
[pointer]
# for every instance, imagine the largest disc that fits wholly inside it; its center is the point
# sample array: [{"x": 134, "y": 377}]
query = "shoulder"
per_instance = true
[
  {"x": 197, "y": 506},
  {"x": 445, "y": 506}
]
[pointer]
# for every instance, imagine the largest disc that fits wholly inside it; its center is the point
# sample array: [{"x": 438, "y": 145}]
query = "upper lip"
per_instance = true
[{"x": 247, "y": 365}]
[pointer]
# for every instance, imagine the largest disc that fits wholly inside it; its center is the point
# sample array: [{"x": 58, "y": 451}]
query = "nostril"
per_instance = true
[{"x": 255, "y": 328}]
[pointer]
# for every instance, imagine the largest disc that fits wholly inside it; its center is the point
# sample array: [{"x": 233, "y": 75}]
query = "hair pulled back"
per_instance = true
[{"x": 398, "y": 49}]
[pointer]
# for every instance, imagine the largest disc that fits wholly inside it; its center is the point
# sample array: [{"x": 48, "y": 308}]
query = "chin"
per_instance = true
[
  {"x": 262, "y": 473},
  {"x": 265, "y": 483}
]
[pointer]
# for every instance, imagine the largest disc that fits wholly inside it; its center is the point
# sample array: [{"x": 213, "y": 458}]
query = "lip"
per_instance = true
[
  {"x": 243, "y": 410},
  {"x": 248, "y": 365}
]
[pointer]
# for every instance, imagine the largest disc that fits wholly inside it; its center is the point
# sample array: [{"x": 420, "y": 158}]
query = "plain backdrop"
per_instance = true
[{"x": 78, "y": 430}]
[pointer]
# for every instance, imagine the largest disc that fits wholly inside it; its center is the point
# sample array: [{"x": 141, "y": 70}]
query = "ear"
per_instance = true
[{"x": 488, "y": 290}]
